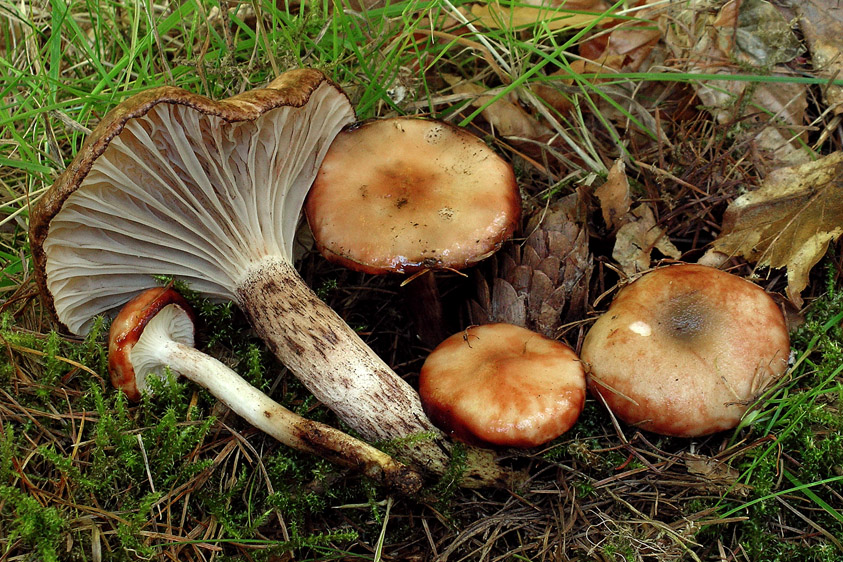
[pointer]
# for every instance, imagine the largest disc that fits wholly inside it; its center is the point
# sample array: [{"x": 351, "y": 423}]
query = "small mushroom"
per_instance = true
[
  {"x": 500, "y": 385},
  {"x": 405, "y": 195},
  {"x": 685, "y": 350},
  {"x": 154, "y": 332}
]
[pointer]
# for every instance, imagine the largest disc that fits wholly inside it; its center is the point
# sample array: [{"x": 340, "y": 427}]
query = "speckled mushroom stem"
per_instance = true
[
  {"x": 345, "y": 374},
  {"x": 287, "y": 427}
]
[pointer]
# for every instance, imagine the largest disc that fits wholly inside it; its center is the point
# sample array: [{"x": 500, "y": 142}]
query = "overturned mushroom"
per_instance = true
[
  {"x": 686, "y": 349},
  {"x": 154, "y": 332},
  {"x": 173, "y": 183}
]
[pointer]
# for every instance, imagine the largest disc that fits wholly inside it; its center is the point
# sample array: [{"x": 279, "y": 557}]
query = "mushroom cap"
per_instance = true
[
  {"x": 173, "y": 183},
  {"x": 404, "y": 194},
  {"x": 685, "y": 350},
  {"x": 129, "y": 373},
  {"x": 502, "y": 385}
]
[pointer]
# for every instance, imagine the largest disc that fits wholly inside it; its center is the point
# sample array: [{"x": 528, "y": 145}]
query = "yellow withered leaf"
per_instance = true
[
  {"x": 789, "y": 221},
  {"x": 496, "y": 16}
]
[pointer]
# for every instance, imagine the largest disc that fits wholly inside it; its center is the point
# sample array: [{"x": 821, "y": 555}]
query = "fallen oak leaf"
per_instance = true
[{"x": 789, "y": 221}]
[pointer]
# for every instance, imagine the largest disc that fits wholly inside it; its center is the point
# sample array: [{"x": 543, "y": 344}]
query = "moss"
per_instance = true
[
  {"x": 41, "y": 528},
  {"x": 804, "y": 415}
]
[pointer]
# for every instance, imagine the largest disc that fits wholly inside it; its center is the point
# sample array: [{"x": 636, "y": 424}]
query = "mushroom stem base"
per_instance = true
[{"x": 343, "y": 373}]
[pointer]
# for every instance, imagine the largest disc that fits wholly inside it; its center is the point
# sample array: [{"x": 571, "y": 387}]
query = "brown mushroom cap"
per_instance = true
[
  {"x": 127, "y": 328},
  {"x": 502, "y": 385},
  {"x": 404, "y": 194},
  {"x": 685, "y": 349}
]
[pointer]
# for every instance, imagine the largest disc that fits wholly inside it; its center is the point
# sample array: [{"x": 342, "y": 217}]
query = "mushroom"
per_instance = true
[
  {"x": 685, "y": 349},
  {"x": 210, "y": 192},
  {"x": 405, "y": 195},
  {"x": 501, "y": 385},
  {"x": 154, "y": 332}
]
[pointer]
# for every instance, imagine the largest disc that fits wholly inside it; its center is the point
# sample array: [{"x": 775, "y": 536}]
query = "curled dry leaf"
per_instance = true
[
  {"x": 625, "y": 45},
  {"x": 614, "y": 197},
  {"x": 637, "y": 238},
  {"x": 554, "y": 90},
  {"x": 637, "y": 232},
  {"x": 789, "y": 221},
  {"x": 555, "y": 15},
  {"x": 506, "y": 116}
]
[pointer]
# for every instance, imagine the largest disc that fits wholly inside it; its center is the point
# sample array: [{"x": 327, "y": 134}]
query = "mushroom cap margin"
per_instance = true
[{"x": 291, "y": 88}]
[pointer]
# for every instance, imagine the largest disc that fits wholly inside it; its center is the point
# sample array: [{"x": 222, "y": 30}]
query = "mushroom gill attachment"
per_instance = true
[
  {"x": 405, "y": 194},
  {"x": 126, "y": 330},
  {"x": 685, "y": 350},
  {"x": 500, "y": 385}
]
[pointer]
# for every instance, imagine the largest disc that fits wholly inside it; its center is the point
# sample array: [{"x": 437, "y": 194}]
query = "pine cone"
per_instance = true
[{"x": 541, "y": 283}]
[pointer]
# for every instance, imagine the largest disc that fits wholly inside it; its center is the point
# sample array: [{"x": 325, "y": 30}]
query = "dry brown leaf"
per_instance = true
[
  {"x": 789, "y": 221},
  {"x": 581, "y": 5},
  {"x": 638, "y": 234},
  {"x": 822, "y": 23},
  {"x": 551, "y": 91},
  {"x": 614, "y": 197},
  {"x": 637, "y": 238},
  {"x": 505, "y": 115},
  {"x": 711, "y": 41},
  {"x": 716, "y": 473},
  {"x": 626, "y": 46},
  {"x": 565, "y": 16}
]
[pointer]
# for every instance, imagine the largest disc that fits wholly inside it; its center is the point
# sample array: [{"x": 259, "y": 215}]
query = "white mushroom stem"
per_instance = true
[
  {"x": 156, "y": 348},
  {"x": 343, "y": 372}
]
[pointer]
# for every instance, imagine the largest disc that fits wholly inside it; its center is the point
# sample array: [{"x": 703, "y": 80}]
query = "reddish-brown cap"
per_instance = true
[
  {"x": 502, "y": 385},
  {"x": 126, "y": 330},
  {"x": 404, "y": 194},
  {"x": 685, "y": 349}
]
